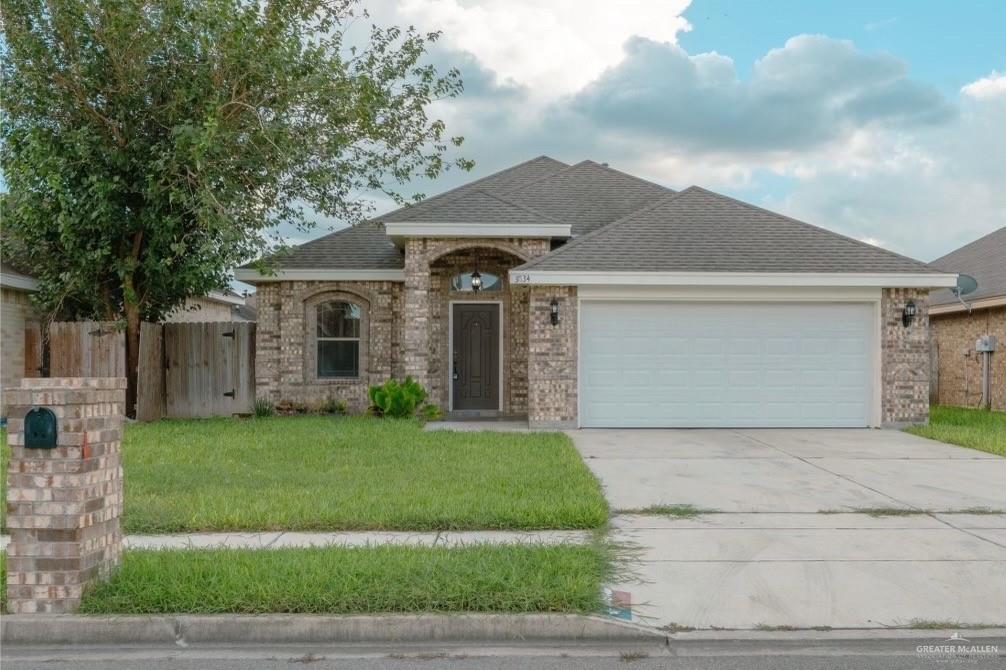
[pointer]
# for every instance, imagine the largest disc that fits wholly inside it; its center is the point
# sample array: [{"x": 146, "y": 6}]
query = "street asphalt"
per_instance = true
[{"x": 851, "y": 654}]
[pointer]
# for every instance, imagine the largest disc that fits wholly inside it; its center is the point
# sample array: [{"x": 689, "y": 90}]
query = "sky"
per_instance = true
[{"x": 883, "y": 120}]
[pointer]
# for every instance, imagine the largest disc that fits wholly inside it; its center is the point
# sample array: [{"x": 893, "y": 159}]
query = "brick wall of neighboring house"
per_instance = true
[
  {"x": 552, "y": 358},
  {"x": 201, "y": 309},
  {"x": 959, "y": 372},
  {"x": 64, "y": 503},
  {"x": 15, "y": 311},
  {"x": 429, "y": 266},
  {"x": 285, "y": 349},
  {"x": 904, "y": 358}
]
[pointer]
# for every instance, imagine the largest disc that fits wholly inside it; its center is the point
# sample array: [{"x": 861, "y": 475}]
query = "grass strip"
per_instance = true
[
  {"x": 356, "y": 580},
  {"x": 973, "y": 428}
]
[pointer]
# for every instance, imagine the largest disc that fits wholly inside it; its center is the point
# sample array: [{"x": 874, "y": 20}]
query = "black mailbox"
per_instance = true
[{"x": 40, "y": 429}]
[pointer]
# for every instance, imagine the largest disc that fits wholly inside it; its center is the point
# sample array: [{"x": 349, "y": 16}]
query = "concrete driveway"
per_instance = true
[{"x": 783, "y": 537}]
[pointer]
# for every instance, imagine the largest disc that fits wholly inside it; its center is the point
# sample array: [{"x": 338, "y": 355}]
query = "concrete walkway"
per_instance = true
[
  {"x": 787, "y": 547},
  {"x": 347, "y": 539}
]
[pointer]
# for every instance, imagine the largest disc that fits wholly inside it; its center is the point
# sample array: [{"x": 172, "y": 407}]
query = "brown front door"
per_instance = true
[{"x": 475, "y": 364}]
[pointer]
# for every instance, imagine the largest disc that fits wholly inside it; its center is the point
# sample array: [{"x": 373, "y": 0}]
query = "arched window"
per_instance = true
[
  {"x": 338, "y": 338},
  {"x": 463, "y": 281}
]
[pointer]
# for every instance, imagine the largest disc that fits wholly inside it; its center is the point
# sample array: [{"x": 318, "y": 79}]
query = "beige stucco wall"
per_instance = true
[
  {"x": 15, "y": 310},
  {"x": 958, "y": 367},
  {"x": 201, "y": 309}
]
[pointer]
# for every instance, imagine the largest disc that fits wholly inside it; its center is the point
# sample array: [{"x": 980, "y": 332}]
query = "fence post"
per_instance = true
[{"x": 150, "y": 375}]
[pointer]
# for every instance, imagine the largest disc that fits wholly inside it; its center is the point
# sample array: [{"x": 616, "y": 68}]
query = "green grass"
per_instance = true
[
  {"x": 683, "y": 511},
  {"x": 355, "y": 580},
  {"x": 973, "y": 428},
  {"x": 327, "y": 473}
]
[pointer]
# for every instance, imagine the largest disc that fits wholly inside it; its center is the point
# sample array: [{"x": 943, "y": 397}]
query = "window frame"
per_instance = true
[
  {"x": 496, "y": 288},
  {"x": 312, "y": 341}
]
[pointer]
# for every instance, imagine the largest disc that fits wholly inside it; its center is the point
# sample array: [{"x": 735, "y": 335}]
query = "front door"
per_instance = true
[{"x": 475, "y": 365}]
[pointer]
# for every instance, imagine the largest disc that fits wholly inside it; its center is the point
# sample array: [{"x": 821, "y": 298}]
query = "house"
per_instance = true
[
  {"x": 16, "y": 312},
  {"x": 223, "y": 305},
  {"x": 958, "y": 323},
  {"x": 602, "y": 300}
]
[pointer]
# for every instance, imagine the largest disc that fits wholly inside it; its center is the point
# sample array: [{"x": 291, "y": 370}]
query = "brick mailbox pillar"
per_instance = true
[{"x": 64, "y": 502}]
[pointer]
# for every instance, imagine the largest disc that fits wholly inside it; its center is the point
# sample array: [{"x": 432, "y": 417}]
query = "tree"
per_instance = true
[{"x": 150, "y": 146}]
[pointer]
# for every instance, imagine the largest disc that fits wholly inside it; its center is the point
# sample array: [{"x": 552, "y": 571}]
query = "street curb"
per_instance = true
[
  {"x": 182, "y": 630},
  {"x": 838, "y": 634}
]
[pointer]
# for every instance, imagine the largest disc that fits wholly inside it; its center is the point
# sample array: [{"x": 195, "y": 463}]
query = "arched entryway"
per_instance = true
[{"x": 478, "y": 338}]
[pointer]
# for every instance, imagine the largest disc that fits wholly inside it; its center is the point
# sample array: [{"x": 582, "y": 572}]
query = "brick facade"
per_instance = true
[
  {"x": 407, "y": 333},
  {"x": 430, "y": 263},
  {"x": 958, "y": 368},
  {"x": 285, "y": 342},
  {"x": 64, "y": 504},
  {"x": 404, "y": 329},
  {"x": 552, "y": 358},
  {"x": 904, "y": 358}
]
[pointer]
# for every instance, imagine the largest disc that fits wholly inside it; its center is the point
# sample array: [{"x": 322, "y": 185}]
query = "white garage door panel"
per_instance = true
[{"x": 661, "y": 364}]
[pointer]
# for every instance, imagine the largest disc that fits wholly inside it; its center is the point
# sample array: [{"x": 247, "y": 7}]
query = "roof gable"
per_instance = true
[
  {"x": 498, "y": 182},
  {"x": 984, "y": 259},
  {"x": 588, "y": 195},
  {"x": 700, "y": 231}
]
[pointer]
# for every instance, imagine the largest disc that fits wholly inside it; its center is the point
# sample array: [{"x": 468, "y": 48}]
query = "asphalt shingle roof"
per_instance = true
[
  {"x": 700, "y": 231},
  {"x": 619, "y": 223},
  {"x": 984, "y": 259},
  {"x": 364, "y": 246},
  {"x": 588, "y": 195},
  {"x": 479, "y": 207},
  {"x": 498, "y": 182}
]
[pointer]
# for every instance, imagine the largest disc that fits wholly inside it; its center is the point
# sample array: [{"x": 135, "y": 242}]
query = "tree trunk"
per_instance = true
[{"x": 132, "y": 356}]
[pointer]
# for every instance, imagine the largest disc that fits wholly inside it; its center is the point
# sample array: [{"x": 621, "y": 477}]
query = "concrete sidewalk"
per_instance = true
[{"x": 278, "y": 539}]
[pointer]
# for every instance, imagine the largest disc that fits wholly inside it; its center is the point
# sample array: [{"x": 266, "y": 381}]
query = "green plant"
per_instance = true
[
  {"x": 264, "y": 408},
  {"x": 397, "y": 399},
  {"x": 432, "y": 412},
  {"x": 332, "y": 406},
  {"x": 147, "y": 148}
]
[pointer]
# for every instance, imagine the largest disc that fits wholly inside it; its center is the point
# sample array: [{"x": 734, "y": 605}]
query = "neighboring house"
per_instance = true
[
  {"x": 226, "y": 305},
  {"x": 956, "y": 327},
  {"x": 16, "y": 312},
  {"x": 606, "y": 300}
]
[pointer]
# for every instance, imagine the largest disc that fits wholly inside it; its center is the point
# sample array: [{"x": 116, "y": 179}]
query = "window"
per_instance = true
[
  {"x": 338, "y": 335},
  {"x": 463, "y": 282}
]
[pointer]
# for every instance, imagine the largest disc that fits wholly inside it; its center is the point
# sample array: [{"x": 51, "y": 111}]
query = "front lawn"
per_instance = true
[
  {"x": 357, "y": 580},
  {"x": 325, "y": 473},
  {"x": 974, "y": 428}
]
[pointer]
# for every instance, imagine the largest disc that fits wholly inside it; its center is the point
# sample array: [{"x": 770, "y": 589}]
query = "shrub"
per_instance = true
[
  {"x": 333, "y": 406},
  {"x": 432, "y": 412},
  {"x": 396, "y": 399},
  {"x": 264, "y": 408}
]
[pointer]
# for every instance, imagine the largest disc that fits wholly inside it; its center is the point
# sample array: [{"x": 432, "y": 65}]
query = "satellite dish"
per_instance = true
[{"x": 965, "y": 284}]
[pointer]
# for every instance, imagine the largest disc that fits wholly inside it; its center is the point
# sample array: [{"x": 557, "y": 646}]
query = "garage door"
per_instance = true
[{"x": 660, "y": 364}]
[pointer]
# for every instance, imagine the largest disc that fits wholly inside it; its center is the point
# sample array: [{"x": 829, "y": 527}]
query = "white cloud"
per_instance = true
[
  {"x": 987, "y": 87},
  {"x": 554, "y": 48}
]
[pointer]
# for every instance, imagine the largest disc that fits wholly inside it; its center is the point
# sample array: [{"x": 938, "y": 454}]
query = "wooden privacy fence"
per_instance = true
[
  {"x": 86, "y": 349},
  {"x": 185, "y": 369}
]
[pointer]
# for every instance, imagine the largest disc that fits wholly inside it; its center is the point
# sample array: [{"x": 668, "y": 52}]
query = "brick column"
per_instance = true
[
  {"x": 417, "y": 312},
  {"x": 552, "y": 358},
  {"x": 905, "y": 359},
  {"x": 64, "y": 504}
]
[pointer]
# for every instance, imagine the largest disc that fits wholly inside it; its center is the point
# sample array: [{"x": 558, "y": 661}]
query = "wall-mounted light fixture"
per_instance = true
[
  {"x": 476, "y": 281},
  {"x": 554, "y": 311},
  {"x": 908, "y": 315}
]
